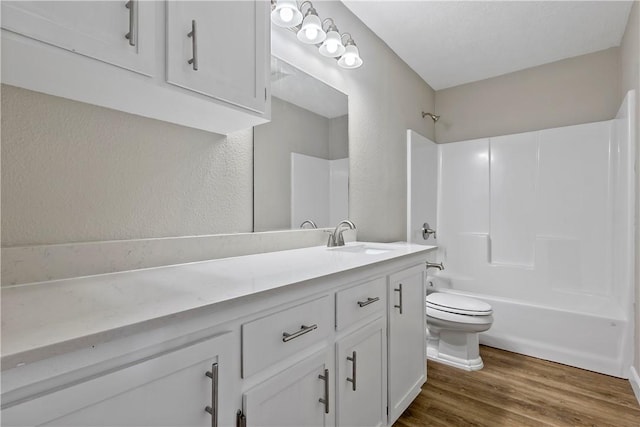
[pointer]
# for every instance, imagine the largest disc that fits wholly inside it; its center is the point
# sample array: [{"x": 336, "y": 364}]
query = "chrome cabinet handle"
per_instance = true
[
  {"x": 131, "y": 35},
  {"x": 352, "y": 380},
  {"x": 193, "y": 35},
  {"x": 399, "y": 289},
  {"x": 368, "y": 301},
  {"x": 303, "y": 330},
  {"x": 213, "y": 409},
  {"x": 325, "y": 400}
]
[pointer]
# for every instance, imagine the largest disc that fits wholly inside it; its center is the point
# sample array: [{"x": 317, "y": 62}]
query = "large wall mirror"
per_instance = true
[{"x": 301, "y": 157}]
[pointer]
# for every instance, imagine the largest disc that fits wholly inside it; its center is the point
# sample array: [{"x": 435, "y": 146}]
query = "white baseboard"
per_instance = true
[{"x": 634, "y": 379}]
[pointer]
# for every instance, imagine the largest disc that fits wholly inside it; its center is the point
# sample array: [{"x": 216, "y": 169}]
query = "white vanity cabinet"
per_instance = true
[
  {"x": 407, "y": 338},
  {"x": 218, "y": 49},
  {"x": 120, "y": 33},
  {"x": 361, "y": 376},
  {"x": 186, "y": 386},
  {"x": 298, "y": 396},
  {"x": 345, "y": 348},
  {"x": 297, "y": 389},
  {"x": 202, "y": 64}
]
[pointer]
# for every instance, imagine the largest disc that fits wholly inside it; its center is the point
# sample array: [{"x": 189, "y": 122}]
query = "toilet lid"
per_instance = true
[{"x": 458, "y": 304}]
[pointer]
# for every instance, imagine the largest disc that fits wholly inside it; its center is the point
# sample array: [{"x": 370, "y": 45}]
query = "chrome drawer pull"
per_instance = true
[
  {"x": 352, "y": 380},
  {"x": 303, "y": 330},
  {"x": 193, "y": 35},
  {"x": 213, "y": 409},
  {"x": 325, "y": 400},
  {"x": 131, "y": 35},
  {"x": 400, "y": 291},
  {"x": 368, "y": 301}
]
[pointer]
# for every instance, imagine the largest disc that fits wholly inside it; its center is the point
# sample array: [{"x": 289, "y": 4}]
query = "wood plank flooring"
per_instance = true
[{"x": 515, "y": 390}]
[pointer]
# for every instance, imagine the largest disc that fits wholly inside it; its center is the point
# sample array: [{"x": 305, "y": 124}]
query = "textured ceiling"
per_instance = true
[{"x": 449, "y": 43}]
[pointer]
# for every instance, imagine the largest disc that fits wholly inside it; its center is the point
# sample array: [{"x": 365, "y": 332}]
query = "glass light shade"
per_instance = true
[
  {"x": 351, "y": 58},
  {"x": 286, "y": 14},
  {"x": 332, "y": 45},
  {"x": 311, "y": 31}
]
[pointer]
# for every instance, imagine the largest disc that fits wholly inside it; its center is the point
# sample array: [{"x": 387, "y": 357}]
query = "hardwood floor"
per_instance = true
[{"x": 516, "y": 390}]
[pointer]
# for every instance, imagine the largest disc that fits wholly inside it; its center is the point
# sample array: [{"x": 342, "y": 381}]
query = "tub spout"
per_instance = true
[{"x": 439, "y": 266}]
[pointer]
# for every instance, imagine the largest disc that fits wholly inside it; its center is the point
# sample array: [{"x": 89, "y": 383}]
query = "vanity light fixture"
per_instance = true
[
  {"x": 351, "y": 58},
  {"x": 332, "y": 46},
  {"x": 310, "y": 30},
  {"x": 286, "y": 14}
]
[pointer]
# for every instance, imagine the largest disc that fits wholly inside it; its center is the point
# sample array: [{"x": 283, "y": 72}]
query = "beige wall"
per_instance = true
[
  {"x": 74, "y": 172},
  {"x": 630, "y": 79},
  {"x": 572, "y": 91}
]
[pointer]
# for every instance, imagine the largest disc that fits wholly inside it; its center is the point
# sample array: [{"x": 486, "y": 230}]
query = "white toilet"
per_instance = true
[{"x": 453, "y": 325}]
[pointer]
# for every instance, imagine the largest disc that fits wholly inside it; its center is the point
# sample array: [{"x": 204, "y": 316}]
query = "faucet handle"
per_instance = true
[{"x": 428, "y": 231}]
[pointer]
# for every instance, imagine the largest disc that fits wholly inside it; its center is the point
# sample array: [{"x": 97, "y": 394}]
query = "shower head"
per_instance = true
[{"x": 433, "y": 116}]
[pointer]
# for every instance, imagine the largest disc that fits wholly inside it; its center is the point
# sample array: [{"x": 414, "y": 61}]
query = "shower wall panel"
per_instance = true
[
  {"x": 514, "y": 172},
  {"x": 532, "y": 215}
]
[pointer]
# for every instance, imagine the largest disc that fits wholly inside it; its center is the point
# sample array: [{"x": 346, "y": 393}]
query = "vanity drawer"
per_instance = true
[
  {"x": 264, "y": 341},
  {"x": 360, "y": 301}
]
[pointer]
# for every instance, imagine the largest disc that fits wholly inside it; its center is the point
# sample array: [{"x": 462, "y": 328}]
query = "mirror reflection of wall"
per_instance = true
[{"x": 301, "y": 165}]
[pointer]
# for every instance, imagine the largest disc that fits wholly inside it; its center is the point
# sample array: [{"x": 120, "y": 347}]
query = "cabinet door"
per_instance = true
[
  {"x": 407, "y": 364},
  {"x": 292, "y": 397},
  {"x": 361, "y": 386},
  {"x": 220, "y": 49},
  {"x": 170, "y": 389},
  {"x": 92, "y": 28}
]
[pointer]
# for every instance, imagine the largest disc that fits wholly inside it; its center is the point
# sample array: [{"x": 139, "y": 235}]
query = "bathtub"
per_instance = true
[{"x": 598, "y": 341}]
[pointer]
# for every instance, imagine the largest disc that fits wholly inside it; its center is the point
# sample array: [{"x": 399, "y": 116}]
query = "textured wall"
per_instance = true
[
  {"x": 386, "y": 98},
  {"x": 572, "y": 91},
  {"x": 73, "y": 172},
  {"x": 630, "y": 79},
  {"x": 292, "y": 129}
]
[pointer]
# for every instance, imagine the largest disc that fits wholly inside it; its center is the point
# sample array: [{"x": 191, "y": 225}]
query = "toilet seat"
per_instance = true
[
  {"x": 460, "y": 319},
  {"x": 457, "y": 304}
]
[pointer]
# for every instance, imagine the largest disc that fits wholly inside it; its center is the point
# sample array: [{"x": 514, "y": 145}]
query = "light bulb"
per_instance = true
[
  {"x": 350, "y": 60},
  {"x": 311, "y": 33},
  {"x": 332, "y": 46},
  {"x": 286, "y": 14}
]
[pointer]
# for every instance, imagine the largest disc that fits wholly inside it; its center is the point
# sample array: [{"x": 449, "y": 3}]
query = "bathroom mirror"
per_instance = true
[{"x": 301, "y": 164}]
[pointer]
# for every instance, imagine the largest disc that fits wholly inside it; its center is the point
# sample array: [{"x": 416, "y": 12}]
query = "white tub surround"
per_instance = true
[
  {"x": 67, "y": 343},
  {"x": 540, "y": 226}
]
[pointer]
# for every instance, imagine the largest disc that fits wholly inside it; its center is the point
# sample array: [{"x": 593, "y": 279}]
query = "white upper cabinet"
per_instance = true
[
  {"x": 201, "y": 64},
  {"x": 218, "y": 49},
  {"x": 120, "y": 33}
]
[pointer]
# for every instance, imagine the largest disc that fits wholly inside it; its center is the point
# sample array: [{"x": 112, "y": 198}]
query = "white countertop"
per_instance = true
[{"x": 37, "y": 317}]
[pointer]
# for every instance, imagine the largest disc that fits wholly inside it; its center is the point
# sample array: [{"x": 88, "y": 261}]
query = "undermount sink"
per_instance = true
[{"x": 362, "y": 249}]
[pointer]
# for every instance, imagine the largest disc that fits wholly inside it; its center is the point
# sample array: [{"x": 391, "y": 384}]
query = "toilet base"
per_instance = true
[{"x": 458, "y": 349}]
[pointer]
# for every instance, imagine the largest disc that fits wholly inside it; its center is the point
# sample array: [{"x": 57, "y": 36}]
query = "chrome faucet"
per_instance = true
[
  {"x": 336, "y": 238},
  {"x": 439, "y": 266},
  {"x": 308, "y": 221}
]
